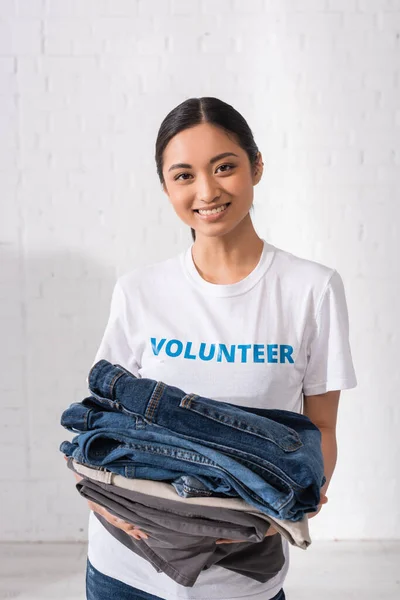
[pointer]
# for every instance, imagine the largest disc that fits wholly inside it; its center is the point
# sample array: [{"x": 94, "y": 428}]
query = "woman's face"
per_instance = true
[{"x": 209, "y": 192}]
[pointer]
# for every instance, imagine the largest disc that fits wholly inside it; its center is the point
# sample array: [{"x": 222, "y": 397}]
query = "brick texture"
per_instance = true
[{"x": 84, "y": 86}]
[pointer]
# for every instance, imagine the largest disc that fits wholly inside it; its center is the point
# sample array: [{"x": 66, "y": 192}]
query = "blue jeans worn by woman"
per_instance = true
[{"x": 102, "y": 587}]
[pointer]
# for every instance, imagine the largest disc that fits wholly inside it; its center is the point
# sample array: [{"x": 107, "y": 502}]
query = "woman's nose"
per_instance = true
[{"x": 207, "y": 190}]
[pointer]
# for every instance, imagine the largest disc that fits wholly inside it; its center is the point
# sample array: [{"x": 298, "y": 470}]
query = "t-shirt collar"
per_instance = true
[{"x": 231, "y": 289}]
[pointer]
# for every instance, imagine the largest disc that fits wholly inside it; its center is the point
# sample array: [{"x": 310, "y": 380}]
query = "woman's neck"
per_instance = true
[{"x": 228, "y": 259}]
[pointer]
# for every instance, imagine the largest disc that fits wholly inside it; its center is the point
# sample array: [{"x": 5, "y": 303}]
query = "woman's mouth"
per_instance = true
[{"x": 213, "y": 214}]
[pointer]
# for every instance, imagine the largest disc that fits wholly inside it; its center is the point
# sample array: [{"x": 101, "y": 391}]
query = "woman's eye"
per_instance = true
[{"x": 230, "y": 167}]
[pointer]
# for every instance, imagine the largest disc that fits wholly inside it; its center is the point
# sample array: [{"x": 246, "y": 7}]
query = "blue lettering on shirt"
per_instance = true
[
  {"x": 157, "y": 346},
  {"x": 244, "y": 348},
  {"x": 202, "y": 353},
  {"x": 272, "y": 353},
  {"x": 229, "y": 355},
  {"x": 187, "y": 351},
  {"x": 258, "y": 353},
  {"x": 286, "y": 352},
  {"x": 177, "y": 351}
]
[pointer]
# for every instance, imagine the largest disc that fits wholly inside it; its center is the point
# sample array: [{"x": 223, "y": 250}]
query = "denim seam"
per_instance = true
[
  {"x": 154, "y": 400},
  {"x": 262, "y": 436},
  {"x": 149, "y": 448},
  {"x": 198, "y": 491}
]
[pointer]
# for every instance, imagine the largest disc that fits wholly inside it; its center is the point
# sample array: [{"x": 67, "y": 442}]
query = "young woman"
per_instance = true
[{"x": 281, "y": 320}]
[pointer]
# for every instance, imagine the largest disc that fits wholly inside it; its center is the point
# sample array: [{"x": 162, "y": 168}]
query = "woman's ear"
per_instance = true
[{"x": 258, "y": 169}]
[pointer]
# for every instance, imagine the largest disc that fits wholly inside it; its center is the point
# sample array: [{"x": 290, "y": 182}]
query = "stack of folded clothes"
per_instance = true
[{"x": 189, "y": 470}]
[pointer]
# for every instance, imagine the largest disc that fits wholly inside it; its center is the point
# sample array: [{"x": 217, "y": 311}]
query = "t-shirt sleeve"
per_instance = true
[
  {"x": 330, "y": 364},
  {"x": 116, "y": 345}
]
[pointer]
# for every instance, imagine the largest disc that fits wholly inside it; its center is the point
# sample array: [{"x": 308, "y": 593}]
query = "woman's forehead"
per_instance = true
[{"x": 199, "y": 143}]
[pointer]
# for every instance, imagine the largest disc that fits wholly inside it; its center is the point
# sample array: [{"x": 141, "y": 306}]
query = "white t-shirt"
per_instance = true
[{"x": 261, "y": 342}]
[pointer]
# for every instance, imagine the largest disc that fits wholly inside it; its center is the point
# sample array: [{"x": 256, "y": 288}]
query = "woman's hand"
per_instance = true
[
  {"x": 130, "y": 529},
  {"x": 271, "y": 531},
  {"x": 322, "y": 500}
]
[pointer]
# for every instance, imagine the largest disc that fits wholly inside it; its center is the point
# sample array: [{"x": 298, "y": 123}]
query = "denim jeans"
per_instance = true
[
  {"x": 138, "y": 427},
  {"x": 139, "y": 454},
  {"x": 102, "y": 587},
  {"x": 144, "y": 458}
]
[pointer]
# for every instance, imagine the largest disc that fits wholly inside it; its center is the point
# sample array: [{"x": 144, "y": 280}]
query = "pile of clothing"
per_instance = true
[{"x": 189, "y": 470}]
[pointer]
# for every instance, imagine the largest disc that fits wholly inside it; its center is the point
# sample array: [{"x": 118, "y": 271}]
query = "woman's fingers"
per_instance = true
[
  {"x": 271, "y": 531},
  {"x": 130, "y": 529},
  {"x": 96, "y": 508},
  {"x": 100, "y": 510}
]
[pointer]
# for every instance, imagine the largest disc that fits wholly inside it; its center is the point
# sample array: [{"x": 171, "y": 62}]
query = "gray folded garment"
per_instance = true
[
  {"x": 297, "y": 533},
  {"x": 182, "y": 537}
]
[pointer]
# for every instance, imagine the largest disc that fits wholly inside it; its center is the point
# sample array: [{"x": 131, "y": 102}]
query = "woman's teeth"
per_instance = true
[{"x": 214, "y": 211}]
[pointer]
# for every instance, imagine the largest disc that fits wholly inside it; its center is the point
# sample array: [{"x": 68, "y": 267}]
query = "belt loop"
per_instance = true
[{"x": 115, "y": 379}]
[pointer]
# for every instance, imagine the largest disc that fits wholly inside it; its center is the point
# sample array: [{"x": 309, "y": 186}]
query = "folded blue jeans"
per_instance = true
[
  {"x": 141, "y": 456},
  {"x": 274, "y": 455}
]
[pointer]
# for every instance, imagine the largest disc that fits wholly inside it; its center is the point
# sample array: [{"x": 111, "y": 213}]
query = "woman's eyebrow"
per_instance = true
[{"x": 212, "y": 161}]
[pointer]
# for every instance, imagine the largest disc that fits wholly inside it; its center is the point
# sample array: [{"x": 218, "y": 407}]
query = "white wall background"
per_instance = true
[{"x": 84, "y": 86}]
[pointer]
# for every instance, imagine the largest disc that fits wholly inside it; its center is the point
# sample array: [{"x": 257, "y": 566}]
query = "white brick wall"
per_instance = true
[{"x": 84, "y": 86}]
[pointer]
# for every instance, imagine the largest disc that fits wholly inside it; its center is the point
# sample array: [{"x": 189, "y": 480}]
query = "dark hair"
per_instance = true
[{"x": 194, "y": 111}]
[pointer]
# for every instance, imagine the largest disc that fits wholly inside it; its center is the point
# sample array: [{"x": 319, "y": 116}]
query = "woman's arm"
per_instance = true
[{"x": 322, "y": 411}]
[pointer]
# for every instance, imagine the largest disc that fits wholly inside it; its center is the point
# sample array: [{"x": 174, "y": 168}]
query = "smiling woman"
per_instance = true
[
  {"x": 193, "y": 145},
  {"x": 232, "y": 318}
]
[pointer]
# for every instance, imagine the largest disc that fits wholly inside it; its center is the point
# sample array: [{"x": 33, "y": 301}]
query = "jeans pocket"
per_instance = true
[{"x": 286, "y": 438}]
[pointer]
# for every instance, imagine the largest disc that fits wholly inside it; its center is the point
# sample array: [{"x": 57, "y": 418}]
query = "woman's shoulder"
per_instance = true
[{"x": 295, "y": 268}]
